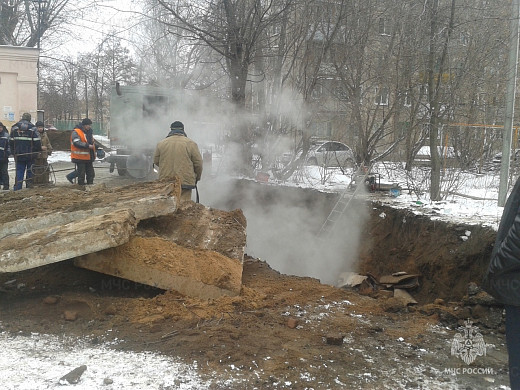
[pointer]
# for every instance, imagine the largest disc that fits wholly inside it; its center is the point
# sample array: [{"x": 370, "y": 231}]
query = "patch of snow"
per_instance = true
[{"x": 39, "y": 361}]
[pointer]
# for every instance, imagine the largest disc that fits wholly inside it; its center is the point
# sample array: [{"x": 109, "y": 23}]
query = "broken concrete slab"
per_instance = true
[
  {"x": 82, "y": 221},
  {"x": 196, "y": 226},
  {"x": 148, "y": 207},
  {"x": 57, "y": 243},
  {"x": 350, "y": 280},
  {"x": 156, "y": 201},
  {"x": 43, "y": 201},
  {"x": 161, "y": 263},
  {"x": 99, "y": 228}
]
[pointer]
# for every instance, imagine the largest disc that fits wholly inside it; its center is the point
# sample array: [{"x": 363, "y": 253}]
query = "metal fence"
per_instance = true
[{"x": 69, "y": 125}]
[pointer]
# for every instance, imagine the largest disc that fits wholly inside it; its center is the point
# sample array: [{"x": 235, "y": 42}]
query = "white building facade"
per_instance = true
[{"x": 18, "y": 83}]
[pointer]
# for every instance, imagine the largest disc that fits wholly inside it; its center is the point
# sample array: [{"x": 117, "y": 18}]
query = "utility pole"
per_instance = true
[{"x": 510, "y": 105}]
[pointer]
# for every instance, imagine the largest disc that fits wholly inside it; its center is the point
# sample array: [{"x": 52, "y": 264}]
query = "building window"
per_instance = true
[
  {"x": 423, "y": 91},
  {"x": 382, "y": 96},
  {"x": 323, "y": 129},
  {"x": 464, "y": 39},
  {"x": 384, "y": 27},
  {"x": 340, "y": 92},
  {"x": 317, "y": 91},
  {"x": 407, "y": 100}
]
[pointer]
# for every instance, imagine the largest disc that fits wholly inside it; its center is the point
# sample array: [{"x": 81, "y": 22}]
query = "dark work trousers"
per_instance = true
[
  {"x": 513, "y": 345},
  {"x": 85, "y": 169},
  {"x": 4, "y": 175},
  {"x": 23, "y": 168},
  {"x": 72, "y": 175}
]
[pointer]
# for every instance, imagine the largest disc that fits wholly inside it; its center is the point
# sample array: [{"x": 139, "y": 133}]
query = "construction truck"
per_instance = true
[{"x": 139, "y": 118}]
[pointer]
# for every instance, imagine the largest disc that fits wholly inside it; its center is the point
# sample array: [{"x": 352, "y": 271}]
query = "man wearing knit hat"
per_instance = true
[
  {"x": 179, "y": 156},
  {"x": 83, "y": 151},
  {"x": 25, "y": 145}
]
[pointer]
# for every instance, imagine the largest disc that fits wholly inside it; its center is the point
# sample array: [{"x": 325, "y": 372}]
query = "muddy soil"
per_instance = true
[
  {"x": 281, "y": 332},
  {"x": 286, "y": 331}
]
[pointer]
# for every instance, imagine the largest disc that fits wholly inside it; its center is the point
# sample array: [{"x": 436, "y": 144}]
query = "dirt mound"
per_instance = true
[
  {"x": 195, "y": 226},
  {"x": 60, "y": 139},
  {"x": 278, "y": 333},
  {"x": 448, "y": 257}
]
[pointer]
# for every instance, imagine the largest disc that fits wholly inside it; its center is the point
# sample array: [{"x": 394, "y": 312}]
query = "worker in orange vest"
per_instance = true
[{"x": 83, "y": 151}]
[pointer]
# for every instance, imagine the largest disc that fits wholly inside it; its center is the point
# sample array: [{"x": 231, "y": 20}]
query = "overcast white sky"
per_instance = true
[{"x": 96, "y": 22}]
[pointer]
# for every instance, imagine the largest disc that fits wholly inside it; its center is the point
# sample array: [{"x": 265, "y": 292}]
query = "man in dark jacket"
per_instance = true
[
  {"x": 502, "y": 279},
  {"x": 83, "y": 151},
  {"x": 25, "y": 145},
  {"x": 5, "y": 151}
]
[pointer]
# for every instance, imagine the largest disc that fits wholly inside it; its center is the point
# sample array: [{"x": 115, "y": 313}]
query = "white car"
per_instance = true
[
  {"x": 515, "y": 156},
  {"x": 331, "y": 154}
]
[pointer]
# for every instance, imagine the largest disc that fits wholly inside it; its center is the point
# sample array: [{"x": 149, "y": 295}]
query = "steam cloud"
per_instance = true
[{"x": 284, "y": 233}]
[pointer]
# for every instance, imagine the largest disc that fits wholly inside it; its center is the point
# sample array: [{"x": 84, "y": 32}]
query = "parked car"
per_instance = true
[
  {"x": 515, "y": 157},
  {"x": 447, "y": 154},
  {"x": 331, "y": 154}
]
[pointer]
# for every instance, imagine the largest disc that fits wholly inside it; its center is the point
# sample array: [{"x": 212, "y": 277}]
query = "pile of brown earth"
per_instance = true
[{"x": 281, "y": 331}]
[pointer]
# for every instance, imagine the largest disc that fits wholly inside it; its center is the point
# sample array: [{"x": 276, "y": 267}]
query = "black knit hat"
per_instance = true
[
  {"x": 177, "y": 126},
  {"x": 86, "y": 121},
  {"x": 39, "y": 124}
]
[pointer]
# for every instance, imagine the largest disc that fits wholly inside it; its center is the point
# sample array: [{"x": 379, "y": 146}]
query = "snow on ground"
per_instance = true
[
  {"x": 58, "y": 156},
  {"x": 39, "y": 361},
  {"x": 473, "y": 198}
]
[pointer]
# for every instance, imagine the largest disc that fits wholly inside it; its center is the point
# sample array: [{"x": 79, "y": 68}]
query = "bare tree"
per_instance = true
[
  {"x": 26, "y": 22},
  {"x": 110, "y": 62},
  {"x": 229, "y": 27},
  {"x": 169, "y": 58}
]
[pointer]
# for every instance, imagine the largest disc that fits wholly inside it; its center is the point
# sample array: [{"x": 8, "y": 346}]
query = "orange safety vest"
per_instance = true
[{"x": 80, "y": 153}]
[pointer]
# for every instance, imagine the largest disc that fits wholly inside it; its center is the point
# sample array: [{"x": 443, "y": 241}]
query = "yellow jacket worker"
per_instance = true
[{"x": 177, "y": 155}]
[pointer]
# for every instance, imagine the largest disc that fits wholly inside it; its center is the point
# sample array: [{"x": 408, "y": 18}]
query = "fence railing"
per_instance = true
[{"x": 69, "y": 125}]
